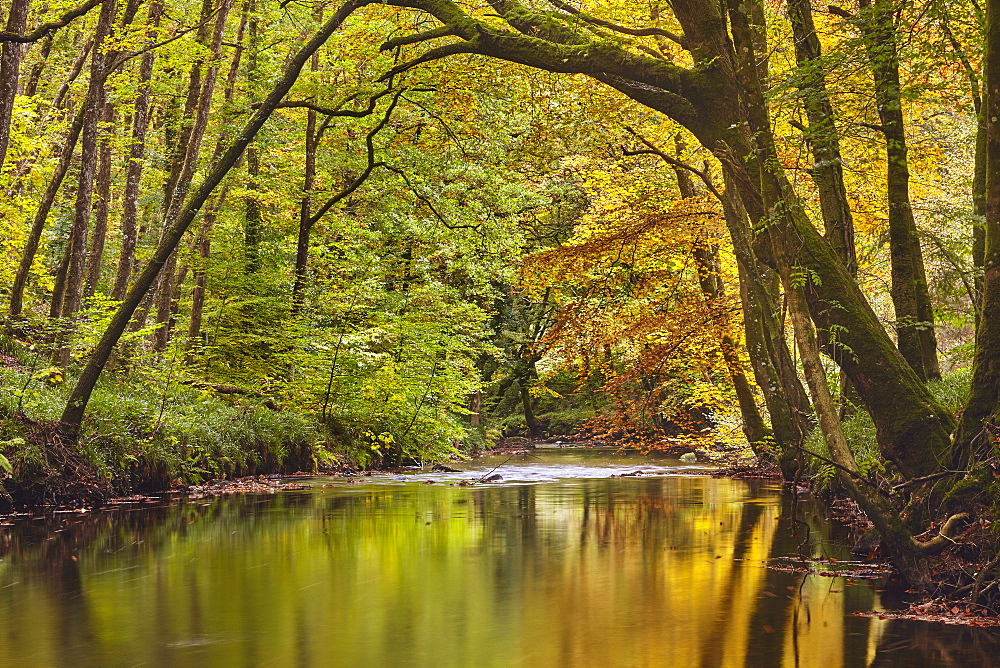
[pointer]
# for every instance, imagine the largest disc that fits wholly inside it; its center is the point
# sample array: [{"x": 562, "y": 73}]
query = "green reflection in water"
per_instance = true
[{"x": 663, "y": 571}]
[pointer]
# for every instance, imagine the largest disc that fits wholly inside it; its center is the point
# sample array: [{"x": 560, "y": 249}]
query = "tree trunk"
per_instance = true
[
  {"x": 914, "y": 314},
  {"x": 35, "y": 75},
  {"x": 101, "y": 207},
  {"x": 251, "y": 215},
  {"x": 305, "y": 207},
  {"x": 133, "y": 173},
  {"x": 76, "y": 407},
  {"x": 251, "y": 218},
  {"x": 204, "y": 243},
  {"x": 10, "y": 66},
  {"x": 709, "y": 272},
  {"x": 822, "y": 135},
  {"x": 76, "y": 258},
  {"x": 74, "y": 72},
  {"x": 912, "y": 429},
  {"x": 204, "y": 247},
  {"x": 41, "y": 216},
  {"x": 200, "y": 94},
  {"x": 984, "y": 395},
  {"x": 902, "y": 549}
]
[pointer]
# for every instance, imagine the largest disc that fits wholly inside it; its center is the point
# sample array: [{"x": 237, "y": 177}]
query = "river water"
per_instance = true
[{"x": 558, "y": 564}]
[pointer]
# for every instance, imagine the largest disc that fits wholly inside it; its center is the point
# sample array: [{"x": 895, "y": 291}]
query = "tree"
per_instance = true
[
  {"x": 77, "y": 405},
  {"x": 720, "y": 101},
  {"x": 715, "y": 100}
]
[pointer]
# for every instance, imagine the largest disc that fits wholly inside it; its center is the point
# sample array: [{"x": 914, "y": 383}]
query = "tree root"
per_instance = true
[{"x": 944, "y": 537}]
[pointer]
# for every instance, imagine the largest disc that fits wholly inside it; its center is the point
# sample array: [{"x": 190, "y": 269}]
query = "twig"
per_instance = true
[{"x": 933, "y": 476}]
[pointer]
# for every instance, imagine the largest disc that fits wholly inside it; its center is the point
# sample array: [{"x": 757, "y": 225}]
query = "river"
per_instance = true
[{"x": 557, "y": 564}]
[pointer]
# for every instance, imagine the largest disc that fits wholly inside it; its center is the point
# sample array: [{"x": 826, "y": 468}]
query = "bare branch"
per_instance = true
[
  {"x": 651, "y": 149},
  {"x": 432, "y": 54},
  {"x": 149, "y": 47},
  {"x": 370, "y": 152},
  {"x": 428, "y": 203}
]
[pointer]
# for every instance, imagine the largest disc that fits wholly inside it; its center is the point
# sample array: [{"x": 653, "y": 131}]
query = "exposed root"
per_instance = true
[
  {"x": 60, "y": 475},
  {"x": 943, "y": 538}
]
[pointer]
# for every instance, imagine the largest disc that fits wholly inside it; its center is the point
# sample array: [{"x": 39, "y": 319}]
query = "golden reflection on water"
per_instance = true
[{"x": 623, "y": 572}]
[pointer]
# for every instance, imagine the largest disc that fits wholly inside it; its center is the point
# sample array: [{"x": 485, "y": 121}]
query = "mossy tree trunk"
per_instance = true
[
  {"x": 984, "y": 397},
  {"x": 822, "y": 135},
  {"x": 911, "y": 300},
  {"x": 10, "y": 63}
]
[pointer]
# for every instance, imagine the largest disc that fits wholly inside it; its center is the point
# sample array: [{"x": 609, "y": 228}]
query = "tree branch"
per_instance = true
[
  {"x": 427, "y": 202},
  {"x": 44, "y": 29},
  {"x": 405, "y": 40},
  {"x": 370, "y": 153},
  {"x": 636, "y": 32},
  {"x": 670, "y": 160},
  {"x": 944, "y": 537},
  {"x": 432, "y": 54}
]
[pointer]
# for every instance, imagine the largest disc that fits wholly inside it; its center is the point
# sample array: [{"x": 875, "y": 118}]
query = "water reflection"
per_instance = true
[{"x": 635, "y": 571}]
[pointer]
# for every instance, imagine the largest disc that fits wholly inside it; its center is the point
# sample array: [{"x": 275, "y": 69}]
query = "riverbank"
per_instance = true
[{"x": 143, "y": 434}]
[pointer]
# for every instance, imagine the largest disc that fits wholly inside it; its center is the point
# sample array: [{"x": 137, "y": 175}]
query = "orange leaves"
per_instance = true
[{"x": 630, "y": 305}]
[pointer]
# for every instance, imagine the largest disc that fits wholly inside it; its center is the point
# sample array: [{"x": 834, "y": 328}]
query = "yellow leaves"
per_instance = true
[{"x": 52, "y": 375}]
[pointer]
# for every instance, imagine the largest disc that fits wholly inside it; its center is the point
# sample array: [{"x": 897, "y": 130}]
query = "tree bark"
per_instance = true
[
  {"x": 204, "y": 242},
  {"x": 822, "y": 135},
  {"x": 251, "y": 216},
  {"x": 709, "y": 270},
  {"x": 41, "y": 216},
  {"x": 10, "y": 67},
  {"x": 35, "y": 75},
  {"x": 200, "y": 93},
  {"x": 305, "y": 208},
  {"x": 102, "y": 206},
  {"x": 984, "y": 395},
  {"x": 204, "y": 248}
]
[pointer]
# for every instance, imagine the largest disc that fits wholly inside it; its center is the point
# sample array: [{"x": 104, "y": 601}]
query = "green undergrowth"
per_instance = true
[
  {"x": 143, "y": 434},
  {"x": 951, "y": 391}
]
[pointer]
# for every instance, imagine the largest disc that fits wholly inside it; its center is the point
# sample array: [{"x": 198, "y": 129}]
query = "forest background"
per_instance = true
[{"x": 248, "y": 235}]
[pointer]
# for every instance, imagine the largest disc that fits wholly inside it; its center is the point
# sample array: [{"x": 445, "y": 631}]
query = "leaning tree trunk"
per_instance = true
[{"x": 76, "y": 407}]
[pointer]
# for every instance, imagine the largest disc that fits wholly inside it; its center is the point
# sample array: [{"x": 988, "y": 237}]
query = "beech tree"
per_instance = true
[{"x": 719, "y": 98}]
